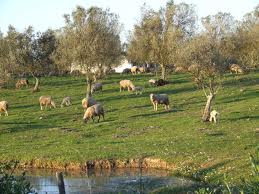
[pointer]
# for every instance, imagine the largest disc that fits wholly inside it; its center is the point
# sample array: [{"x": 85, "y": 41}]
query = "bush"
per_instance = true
[{"x": 10, "y": 184}]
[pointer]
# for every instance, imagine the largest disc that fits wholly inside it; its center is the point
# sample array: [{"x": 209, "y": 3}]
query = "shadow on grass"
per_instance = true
[
  {"x": 244, "y": 118},
  {"x": 152, "y": 114},
  {"x": 25, "y": 126}
]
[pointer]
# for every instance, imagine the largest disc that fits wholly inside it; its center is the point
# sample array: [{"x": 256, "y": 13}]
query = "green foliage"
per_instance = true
[{"x": 11, "y": 184}]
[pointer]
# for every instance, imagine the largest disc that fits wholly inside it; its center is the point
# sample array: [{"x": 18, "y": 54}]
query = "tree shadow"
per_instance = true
[
  {"x": 244, "y": 117},
  {"x": 152, "y": 114}
]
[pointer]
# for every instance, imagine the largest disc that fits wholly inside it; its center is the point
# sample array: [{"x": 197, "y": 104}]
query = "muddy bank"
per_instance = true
[{"x": 99, "y": 164}]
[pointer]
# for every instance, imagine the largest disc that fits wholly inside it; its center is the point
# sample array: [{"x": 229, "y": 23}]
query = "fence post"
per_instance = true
[{"x": 61, "y": 186}]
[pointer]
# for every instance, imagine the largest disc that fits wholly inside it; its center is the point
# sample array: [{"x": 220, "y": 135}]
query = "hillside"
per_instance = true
[{"x": 132, "y": 129}]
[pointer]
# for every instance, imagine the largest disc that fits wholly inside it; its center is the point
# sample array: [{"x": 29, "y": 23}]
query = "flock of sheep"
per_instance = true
[{"x": 93, "y": 108}]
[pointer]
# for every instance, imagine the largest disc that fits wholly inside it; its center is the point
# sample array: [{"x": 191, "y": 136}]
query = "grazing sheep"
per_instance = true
[
  {"x": 93, "y": 111},
  {"x": 134, "y": 70},
  {"x": 47, "y": 102},
  {"x": 159, "y": 99},
  {"x": 214, "y": 115},
  {"x": 4, "y": 108},
  {"x": 193, "y": 68},
  {"x": 22, "y": 82},
  {"x": 236, "y": 69},
  {"x": 87, "y": 102},
  {"x": 126, "y": 84},
  {"x": 96, "y": 87},
  {"x": 137, "y": 90},
  {"x": 67, "y": 101}
]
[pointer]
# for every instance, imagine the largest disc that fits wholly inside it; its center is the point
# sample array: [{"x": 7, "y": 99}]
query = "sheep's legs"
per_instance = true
[
  {"x": 41, "y": 107},
  {"x": 6, "y": 113}
]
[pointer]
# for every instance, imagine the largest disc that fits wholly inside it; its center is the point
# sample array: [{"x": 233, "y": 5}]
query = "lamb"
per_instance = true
[
  {"x": 22, "y": 82},
  {"x": 159, "y": 99},
  {"x": 93, "y": 111},
  {"x": 87, "y": 102},
  {"x": 67, "y": 101},
  {"x": 134, "y": 70},
  {"x": 214, "y": 115},
  {"x": 4, "y": 108},
  {"x": 47, "y": 102},
  {"x": 137, "y": 90},
  {"x": 236, "y": 68},
  {"x": 97, "y": 87},
  {"x": 126, "y": 84}
]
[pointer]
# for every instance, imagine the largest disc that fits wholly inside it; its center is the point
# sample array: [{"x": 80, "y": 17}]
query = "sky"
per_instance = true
[{"x": 44, "y": 14}]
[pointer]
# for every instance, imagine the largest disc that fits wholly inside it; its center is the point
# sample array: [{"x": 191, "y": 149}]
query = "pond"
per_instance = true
[{"x": 106, "y": 181}]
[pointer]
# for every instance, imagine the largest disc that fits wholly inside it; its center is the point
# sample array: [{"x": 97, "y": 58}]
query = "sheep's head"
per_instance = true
[
  {"x": 53, "y": 104},
  {"x": 151, "y": 96}
]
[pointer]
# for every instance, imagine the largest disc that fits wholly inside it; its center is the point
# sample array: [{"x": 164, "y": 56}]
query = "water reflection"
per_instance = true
[{"x": 105, "y": 181}]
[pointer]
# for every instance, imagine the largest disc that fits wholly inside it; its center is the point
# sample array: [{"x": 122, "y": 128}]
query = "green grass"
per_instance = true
[{"x": 132, "y": 129}]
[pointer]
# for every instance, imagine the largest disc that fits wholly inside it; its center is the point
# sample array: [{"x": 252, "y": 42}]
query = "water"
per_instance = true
[{"x": 106, "y": 181}]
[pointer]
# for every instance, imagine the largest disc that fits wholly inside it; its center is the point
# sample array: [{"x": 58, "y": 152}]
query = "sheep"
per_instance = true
[
  {"x": 47, "y": 102},
  {"x": 22, "y": 82},
  {"x": 126, "y": 71},
  {"x": 138, "y": 89},
  {"x": 214, "y": 115},
  {"x": 236, "y": 68},
  {"x": 134, "y": 70},
  {"x": 4, "y": 108},
  {"x": 179, "y": 70},
  {"x": 142, "y": 69},
  {"x": 126, "y": 84},
  {"x": 96, "y": 87},
  {"x": 87, "y": 102},
  {"x": 159, "y": 99},
  {"x": 92, "y": 111},
  {"x": 67, "y": 101},
  {"x": 152, "y": 82}
]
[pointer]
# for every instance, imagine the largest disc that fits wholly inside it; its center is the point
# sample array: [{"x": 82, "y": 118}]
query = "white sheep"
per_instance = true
[
  {"x": 152, "y": 82},
  {"x": 96, "y": 87},
  {"x": 159, "y": 99},
  {"x": 134, "y": 70},
  {"x": 4, "y": 108},
  {"x": 137, "y": 89},
  {"x": 93, "y": 111},
  {"x": 67, "y": 101},
  {"x": 214, "y": 116},
  {"x": 87, "y": 102},
  {"x": 126, "y": 84},
  {"x": 47, "y": 102}
]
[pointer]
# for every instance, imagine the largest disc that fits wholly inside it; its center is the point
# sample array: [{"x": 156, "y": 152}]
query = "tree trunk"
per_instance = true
[
  {"x": 206, "y": 112},
  {"x": 37, "y": 84},
  {"x": 89, "y": 86},
  {"x": 163, "y": 72}
]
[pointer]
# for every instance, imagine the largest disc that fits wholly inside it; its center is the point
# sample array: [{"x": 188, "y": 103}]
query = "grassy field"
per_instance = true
[{"x": 132, "y": 129}]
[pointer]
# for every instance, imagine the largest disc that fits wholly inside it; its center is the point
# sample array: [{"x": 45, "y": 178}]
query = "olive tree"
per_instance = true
[
  {"x": 206, "y": 54},
  {"x": 157, "y": 37},
  {"x": 90, "y": 39}
]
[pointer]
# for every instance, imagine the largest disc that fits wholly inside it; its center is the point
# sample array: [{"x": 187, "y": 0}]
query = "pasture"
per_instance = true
[{"x": 132, "y": 129}]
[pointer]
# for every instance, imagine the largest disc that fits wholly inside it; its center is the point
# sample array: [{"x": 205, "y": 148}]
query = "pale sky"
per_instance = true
[{"x": 44, "y": 14}]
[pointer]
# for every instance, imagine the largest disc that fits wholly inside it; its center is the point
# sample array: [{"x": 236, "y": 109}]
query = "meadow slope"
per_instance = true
[{"x": 132, "y": 129}]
